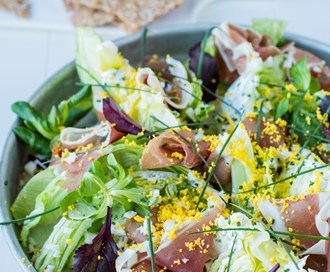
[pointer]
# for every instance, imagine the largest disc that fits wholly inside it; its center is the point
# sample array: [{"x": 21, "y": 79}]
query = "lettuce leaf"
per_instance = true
[
  {"x": 101, "y": 254},
  {"x": 273, "y": 28},
  {"x": 25, "y": 201}
]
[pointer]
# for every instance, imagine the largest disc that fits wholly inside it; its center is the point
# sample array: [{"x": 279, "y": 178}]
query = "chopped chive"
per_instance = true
[
  {"x": 269, "y": 230},
  {"x": 143, "y": 45},
  {"x": 259, "y": 120},
  {"x": 28, "y": 217},
  {"x": 151, "y": 247},
  {"x": 231, "y": 253},
  {"x": 215, "y": 163}
]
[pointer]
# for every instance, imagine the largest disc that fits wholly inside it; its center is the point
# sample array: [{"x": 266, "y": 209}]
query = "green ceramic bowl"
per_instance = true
[{"x": 175, "y": 41}]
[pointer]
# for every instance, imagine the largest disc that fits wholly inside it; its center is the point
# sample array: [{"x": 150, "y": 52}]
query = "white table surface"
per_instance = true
[{"x": 32, "y": 50}]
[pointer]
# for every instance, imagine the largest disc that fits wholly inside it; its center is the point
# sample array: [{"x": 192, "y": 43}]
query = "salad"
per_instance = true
[{"x": 219, "y": 162}]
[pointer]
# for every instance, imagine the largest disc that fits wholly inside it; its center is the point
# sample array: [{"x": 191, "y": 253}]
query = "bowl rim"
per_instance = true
[{"x": 8, "y": 231}]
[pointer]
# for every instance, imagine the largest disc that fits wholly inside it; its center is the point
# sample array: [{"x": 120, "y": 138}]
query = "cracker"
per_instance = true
[
  {"x": 131, "y": 15},
  {"x": 85, "y": 16},
  {"x": 134, "y": 14},
  {"x": 19, "y": 7}
]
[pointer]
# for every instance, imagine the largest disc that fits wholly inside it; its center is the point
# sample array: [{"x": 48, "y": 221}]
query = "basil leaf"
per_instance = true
[
  {"x": 301, "y": 75},
  {"x": 100, "y": 255}
]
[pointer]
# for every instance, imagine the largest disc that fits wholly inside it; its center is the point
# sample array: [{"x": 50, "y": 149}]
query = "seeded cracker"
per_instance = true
[
  {"x": 19, "y": 7},
  {"x": 135, "y": 14},
  {"x": 131, "y": 15}
]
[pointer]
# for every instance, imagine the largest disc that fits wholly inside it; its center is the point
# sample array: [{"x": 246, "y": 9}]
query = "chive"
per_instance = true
[
  {"x": 122, "y": 87},
  {"x": 316, "y": 129},
  {"x": 259, "y": 120},
  {"x": 295, "y": 116},
  {"x": 28, "y": 217},
  {"x": 301, "y": 235},
  {"x": 224, "y": 229},
  {"x": 178, "y": 126},
  {"x": 288, "y": 178},
  {"x": 215, "y": 163},
  {"x": 231, "y": 253},
  {"x": 151, "y": 247},
  {"x": 204, "y": 87},
  {"x": 202, "y": 52},
  {"x": 311, "y": 135},
  {"x": 292, "y": 244},
  {"x": 143, "y": 45},
  {"x": 269, "y": 230},
  {"x": 303, "y": 163}
]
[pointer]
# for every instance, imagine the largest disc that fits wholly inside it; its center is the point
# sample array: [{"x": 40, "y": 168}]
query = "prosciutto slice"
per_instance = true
[
  {"x": 189, "y": 252},
  {"x": 235, "y": 45},
  {"x": 287, "y": 215},
  {"x": 145, "y": 266},
  {"x": 72, "y": 138},
  {"x": 170, "y": 149}
]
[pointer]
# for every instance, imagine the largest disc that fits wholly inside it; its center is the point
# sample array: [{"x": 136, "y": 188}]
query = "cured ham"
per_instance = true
[
  {"x": 286, "y": 216},
  {"x": 177, "y": 90},
  {"x": 234, "y": 46},
  {"x": 73, "y": 138},
  {"x": 170, "y": 149},
  {"x": 189, "y": 252},
  {"x": 145, "y": 266}
]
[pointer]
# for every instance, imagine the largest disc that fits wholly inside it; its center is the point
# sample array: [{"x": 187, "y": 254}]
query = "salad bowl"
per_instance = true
[{"x": 175, "y": 41}]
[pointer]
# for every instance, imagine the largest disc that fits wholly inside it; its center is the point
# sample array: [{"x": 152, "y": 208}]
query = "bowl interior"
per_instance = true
[{"x": 175, "y": 41}]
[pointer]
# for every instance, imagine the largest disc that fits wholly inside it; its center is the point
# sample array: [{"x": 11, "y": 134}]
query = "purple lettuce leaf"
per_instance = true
[
  {"x": 115, "y": 116},
  {"x": 99, "y": 256},
  {"x": 324, "y": 105},
  {"x": 210, "y": 70}
]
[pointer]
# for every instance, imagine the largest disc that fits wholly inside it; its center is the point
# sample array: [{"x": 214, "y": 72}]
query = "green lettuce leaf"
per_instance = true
[
  {"x": 25, "y": 202},
  {"x": 273, "y": 28}
]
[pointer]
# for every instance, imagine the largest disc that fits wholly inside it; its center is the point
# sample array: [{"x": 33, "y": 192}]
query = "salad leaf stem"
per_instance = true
[{"x": 28, "y": 217}]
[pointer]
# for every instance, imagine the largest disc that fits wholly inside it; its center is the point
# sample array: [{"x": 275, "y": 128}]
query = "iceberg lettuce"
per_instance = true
[{"x": 254, "y": 250}]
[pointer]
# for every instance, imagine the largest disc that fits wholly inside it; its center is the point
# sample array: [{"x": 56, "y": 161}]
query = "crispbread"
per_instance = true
[
  {"x": 131, "y": 15},
  {"x": 91, "y": 17},
  {"x": 134, "y": 14},
  {"x": 19, "y": 7}
]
